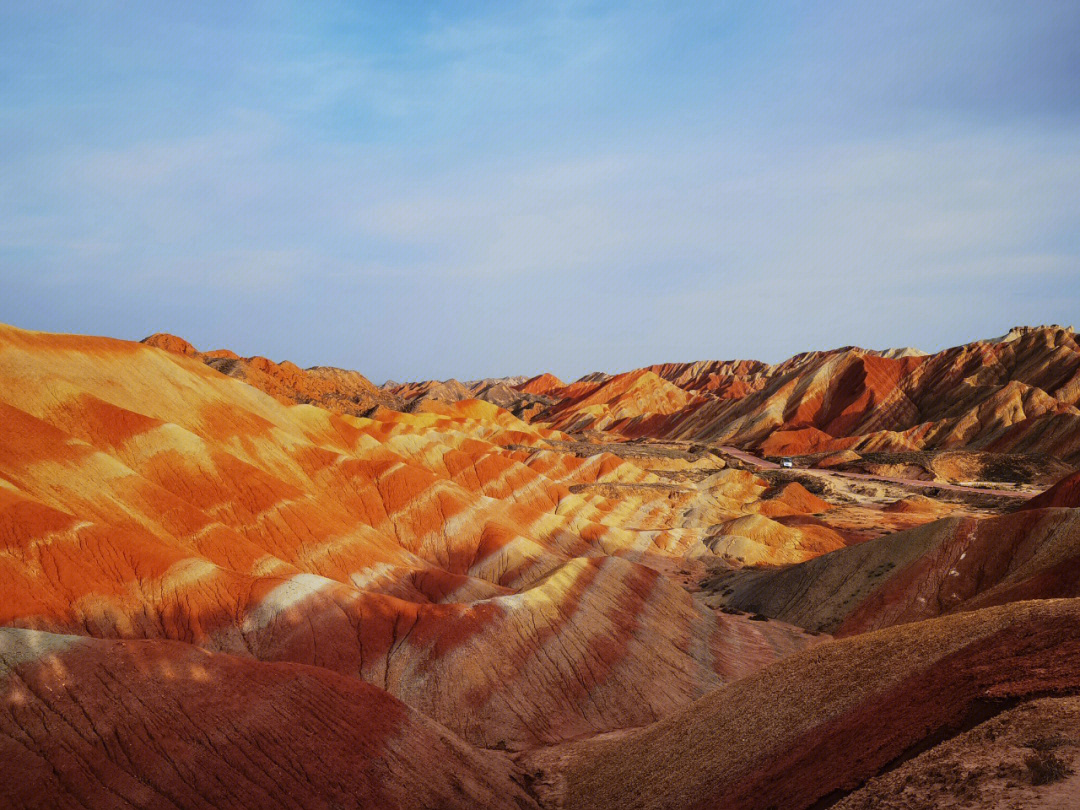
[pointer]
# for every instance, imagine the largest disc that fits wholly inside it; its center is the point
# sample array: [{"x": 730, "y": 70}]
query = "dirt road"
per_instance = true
[{"x": 761, "y": 463}]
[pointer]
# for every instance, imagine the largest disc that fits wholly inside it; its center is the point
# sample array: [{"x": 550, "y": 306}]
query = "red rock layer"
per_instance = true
[
  {"x": 547, "y": 384},
  {"x": 86, "y": 723},
  {"x": 1065, "y": 493},
  {"x": 950, "y": 565},
  {"x": 335, "y": 389},
  {"x": 618, "y": 404}
]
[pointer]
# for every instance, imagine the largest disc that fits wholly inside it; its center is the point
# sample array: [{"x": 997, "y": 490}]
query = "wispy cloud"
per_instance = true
[{"x": 571, "y": 187}]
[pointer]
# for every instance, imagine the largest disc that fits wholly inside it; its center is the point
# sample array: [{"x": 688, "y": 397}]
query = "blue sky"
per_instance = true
[{"x": 421, "y": 190}]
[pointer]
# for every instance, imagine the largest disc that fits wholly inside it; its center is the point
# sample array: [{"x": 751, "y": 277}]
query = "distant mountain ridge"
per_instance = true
[{"x": 1017, "y": 393}]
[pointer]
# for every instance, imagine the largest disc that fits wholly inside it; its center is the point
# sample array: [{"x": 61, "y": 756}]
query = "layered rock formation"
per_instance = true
[
  {"x": 1016, "y": 394},
  {"x": 222, "y": 586},
  {"x": 1019, "y": 393},
  {"x": 508, "y": 393},
  {"x": 444, "y": 558},
  {"x": 625, "y": 403},
  {"x": 89, "y": 723},
  {"x": 950, "y": 565},
  {"x": 1065, "y": 494},
  {"x": 335, "y": 389}
]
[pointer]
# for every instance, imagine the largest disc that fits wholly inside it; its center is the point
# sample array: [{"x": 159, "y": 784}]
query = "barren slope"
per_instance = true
[
  {"x": 1016, "y": 394},
  {"x": 86, "y": 723},
  {"x": 335, "y": 389},
  {"x": 145, "y": 495},
  {"x": 944, "y": 566},
  {"x": 823, "y": 720}
]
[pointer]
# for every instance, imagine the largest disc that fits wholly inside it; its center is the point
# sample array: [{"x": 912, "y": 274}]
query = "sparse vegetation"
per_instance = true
[
  {"x": 1045, "y": 767},
  {"x": 1045, "y": 743}
]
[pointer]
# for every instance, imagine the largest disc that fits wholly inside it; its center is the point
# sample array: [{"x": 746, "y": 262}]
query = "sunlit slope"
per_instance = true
[
  {"x": 627, "y": 403},
  {"x": 441, "y": 556},
  {"x": 1016, "y": 394},
  {"x": 335, "y": 389}
]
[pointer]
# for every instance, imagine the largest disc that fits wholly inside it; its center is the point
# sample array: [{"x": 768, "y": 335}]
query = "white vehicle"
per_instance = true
[{"x": 787, "y": 462}]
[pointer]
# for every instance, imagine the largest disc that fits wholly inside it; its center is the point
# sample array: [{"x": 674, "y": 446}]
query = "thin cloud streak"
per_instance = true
[{"x": 526, "y": 189}]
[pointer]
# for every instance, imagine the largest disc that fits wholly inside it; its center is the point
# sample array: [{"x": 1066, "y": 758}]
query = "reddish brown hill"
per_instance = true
[
  {"x": 86, "y": 723},
  {"x": 1065, "y": 493},
  {"x": 949, "y": 565},
  {"x": 729, "y": 379},
  {"x": 821, "y": 722},
  {"x": 544, "y": 384},
  {"x": 443, "y": 391},
  {"x": 1016, "y": 394}
]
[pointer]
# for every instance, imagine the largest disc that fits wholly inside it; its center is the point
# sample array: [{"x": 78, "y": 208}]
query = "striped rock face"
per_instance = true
[
  {"x": 162, "y": 724},
  {"x": 623, "y": 402},
  {"x": 1016, "y": 394},
  {"x": 807, "y": 730},
  {"x": 456, "y": 559},
  {"x": 947, "y": 566},
  {"x": 335, "y": 389}
]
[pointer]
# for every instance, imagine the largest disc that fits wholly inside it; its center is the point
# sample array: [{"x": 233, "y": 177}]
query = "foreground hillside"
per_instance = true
[
  {"x": 222, "y": 586},
  {"x": 817, "y": 725},
  {"x": 120, "y": 724}
]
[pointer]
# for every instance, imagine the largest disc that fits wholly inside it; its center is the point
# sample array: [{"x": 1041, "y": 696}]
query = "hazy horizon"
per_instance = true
[{"x": 419, "y": 192}]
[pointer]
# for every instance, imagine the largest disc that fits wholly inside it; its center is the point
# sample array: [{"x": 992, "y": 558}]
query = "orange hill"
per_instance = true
[
  {"x": 335, "y": 389},
  {"x": 442, "y": 557},
  {"x": 276, "y": 601},
  {"x": 619, "y": 404},
  {"x": 542, "y": 384}
]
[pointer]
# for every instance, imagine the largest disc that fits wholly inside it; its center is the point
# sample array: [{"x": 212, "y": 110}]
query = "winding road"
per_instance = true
[{"x": 761, "y": 463}]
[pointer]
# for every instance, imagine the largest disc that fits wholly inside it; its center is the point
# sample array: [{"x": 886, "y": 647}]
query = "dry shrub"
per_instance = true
[{"x": 1045, "y": 768}]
